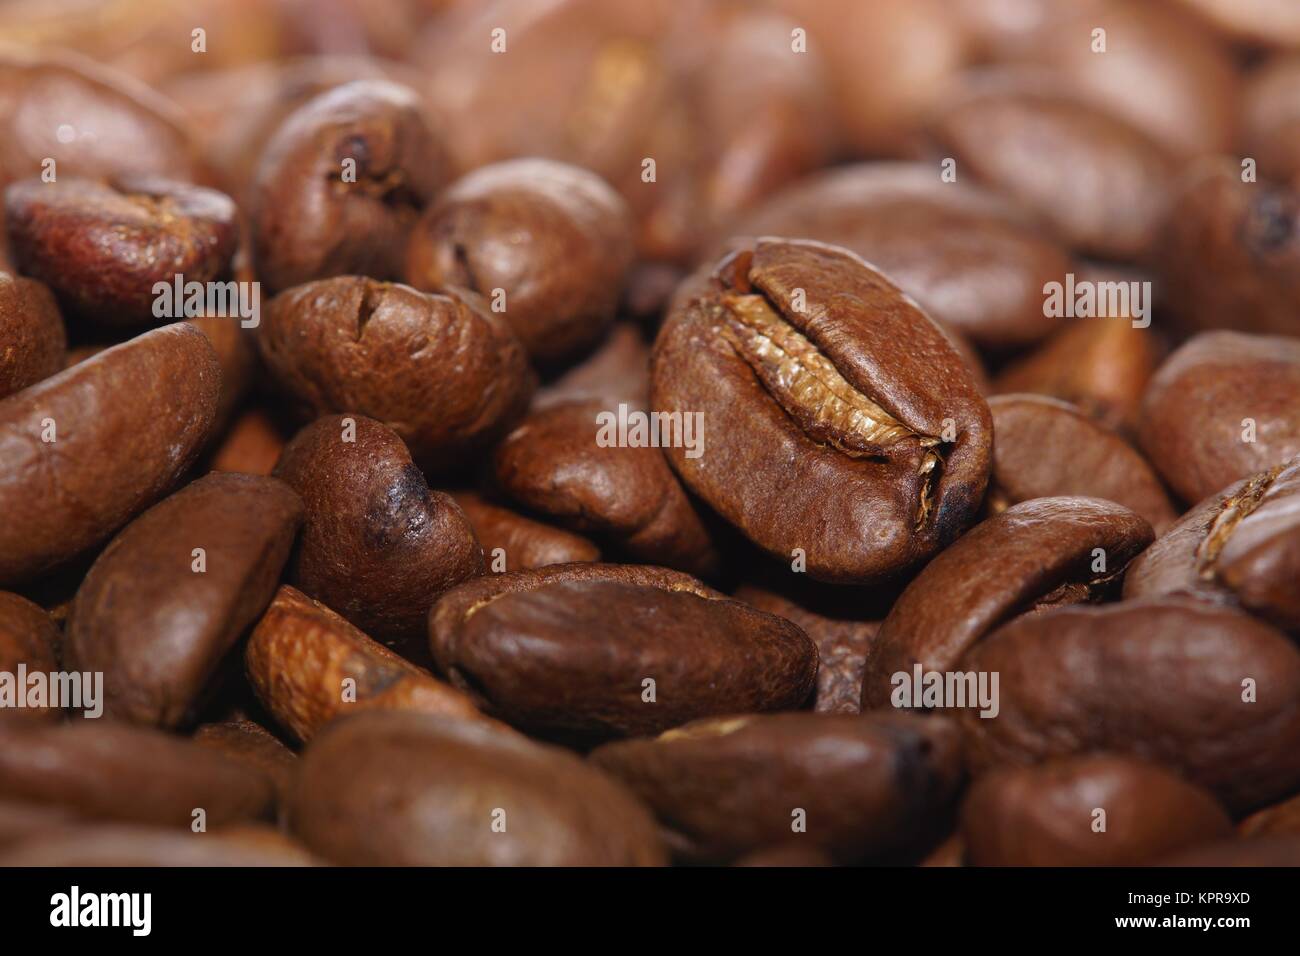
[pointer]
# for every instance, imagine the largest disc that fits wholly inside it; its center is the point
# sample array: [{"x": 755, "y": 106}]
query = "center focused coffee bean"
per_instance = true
[
  {"x": 838, "y": 420},
  {"x": 602, "y": 650},
  {"x": 32, "y": 332}
]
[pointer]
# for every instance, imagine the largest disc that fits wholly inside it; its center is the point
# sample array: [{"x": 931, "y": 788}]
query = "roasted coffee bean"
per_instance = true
[
  {"x": 86, "y": 450},
  {"x": 308, "y": 665},
  {"x": 342, "y": 182},
  {"x": 602, "y": 650},
  {"x": 377, "y": 544},
  {"x": 1223, "y": 407},
  {"x": 1208, "y": 691},
  {"x": 91, "y": 120},
  {"x": 1035, "y": 555},
  {"x": 442, "y": 371},
  {"x": 1255, "y": 852},
  {"x": 568, "y": 462},
  {"x": 1271, "y": 117},
  {"x": 1102, "y": 366},
  {"x": 1231, "y": 252},
  {"x": 31, "y": 331},
  {"x": 117, "y": 845},
  {"x": 863, "y": 787},
  {"x": 842, "y": 645},
  {"x": 170, "y": 596},
  {"x": 417, "y": 790},
  {"x": 512, "y": 542},
  {"x": 113, "y": 771},
  {"x": 1241, "y": 545},
  {"x": 104, "y": 246},
  {"x": 28, "y": 638},
  {"x": 551, "y": 242},
  {"x": 1092, "y": 810},
  {"x": 969, "y": 258},
  {"x": 951, "y": 852},
  {"x": 252, "y": 744},
  {"x": 837, "y": 418},
  {"x": 1047, "y": 447},
  {"x": 1101, "y": 184}
]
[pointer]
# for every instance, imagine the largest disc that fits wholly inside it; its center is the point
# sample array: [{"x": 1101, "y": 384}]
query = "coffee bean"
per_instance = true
[
  {"x": 1231, "y": 247},
  {"x": 342, "y": 182},
  {"x": 838, "y": 419},
  {"x": 557, "y": 464},
  {"x": 601, "y": 650},
  {"x": 102, "y": 247},
  {"x": 377, "y": 544},
  {"x": 32, "y": 332},
  {"x": 308, "y": 665},
  {"x": 1254, "y": 21},
  {"x": 88, "y": 449},
  {"x": 1239, "y": 546},
  {"x": 970, "y": 259},
  {"x": 1208, "y": 691},
  {"x": 734, "y": 784},
  {"x": 1095, "y": 810},
  {"x": 1046, "y": 448},
  {"x": 99, "y": 769},
  {"x": 842, "y": 646},
  {"x": 1099, "y": 183},
  {"x": 170, "y": 596},
  {"x": 27, "y": 637},
  {"x": 416, "y": 790},
  {"x": 1039, "y": 554},
  {"x": 559, "y": 290},
  {"x": 252, "y": 444},
  {"x": 1280, "y": 818},
  {"x": 1224, "y": 406},
  {"x": 519, "y": 542},
  {"x": 91, "y": 120},
  {"x": 440, "y": 370}
]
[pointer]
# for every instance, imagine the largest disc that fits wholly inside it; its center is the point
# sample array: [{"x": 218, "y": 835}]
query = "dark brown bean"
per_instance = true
[
  {"x": 840, "y": 421},
  {"x": 377, "y": 544},
  {"x": 1207, "y": 691},
  {"x": 553, "y": 241},
  {"x": 1039, "y": 554},
  {"x": 399, "y": 789},
  {"x": 1092, "y": 810},
  {"x": 29, "y": 638},
  {"x": 513, "y": 542},
  {"x": 342, "y": 182},
  {"x": 102, "y": 247},
  {"x": 1224, "y": 406},
  {"x": 858, "y": 788},
  {"x": 122, "y": 845},
  {"x": 116, "y": 447},
  {"x": 601, "y": 650},
  {"x": 113, "y": 771},
  {"x": 170, "y": 596},
  {"x": 441, "y": 370},
  {"x": 1046, "y": 447}
]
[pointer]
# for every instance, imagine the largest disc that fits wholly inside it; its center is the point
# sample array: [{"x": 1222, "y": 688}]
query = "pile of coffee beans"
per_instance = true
[{"x": 646, "y": 432}]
